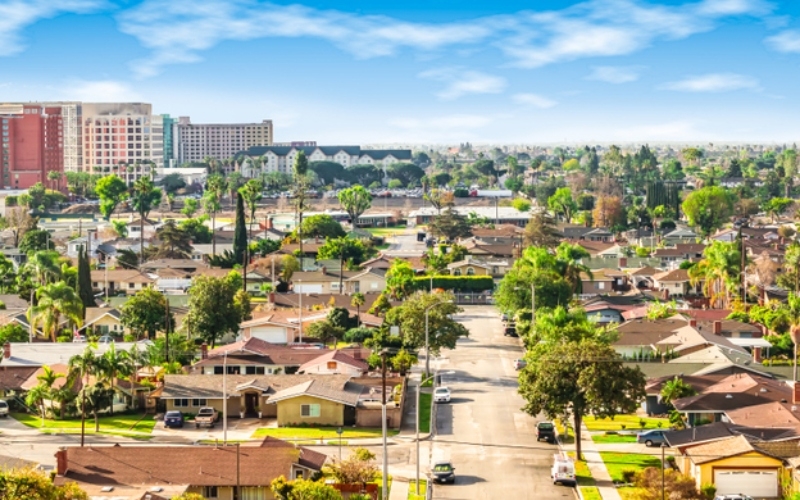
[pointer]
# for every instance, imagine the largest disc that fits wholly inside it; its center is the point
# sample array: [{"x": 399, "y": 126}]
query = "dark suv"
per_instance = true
[{"x": 546, "y": 431}]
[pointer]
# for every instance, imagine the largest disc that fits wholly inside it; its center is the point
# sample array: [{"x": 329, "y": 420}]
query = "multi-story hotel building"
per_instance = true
[
  {"x": 31, "y": 145},
  {"x": 194, "y": 142}
]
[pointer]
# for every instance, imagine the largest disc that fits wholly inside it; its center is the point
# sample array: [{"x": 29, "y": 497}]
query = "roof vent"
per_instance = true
[
  {"x": 156, "y": 489},
  {"x": 107, "y": 489},
  {"x": 763, "y": 389},
  {"x": 728, "y": 396},
  {"x": 794, "y": 408}
]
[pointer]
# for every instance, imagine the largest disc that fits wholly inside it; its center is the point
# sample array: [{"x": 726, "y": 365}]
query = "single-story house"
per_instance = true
[
  {"x": 643, "y": 276},
  {"x": 326, "y": 281},
  {"x": 12, "y": 379},
  {"x": 676, "y": 283},
  {"x": 470, "y": 266},
  {"x": 335, "y": 361},
  {"x": 129, "y": 281},
  {"x": 597, "y": 284},
  {"x": 275, "y": 327},
  {"x": 103, "y": 321},
  {"x": 253, "y": 356}
]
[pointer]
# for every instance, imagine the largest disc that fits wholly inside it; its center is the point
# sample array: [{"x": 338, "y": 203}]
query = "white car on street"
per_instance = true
[{"x": 441, "y": 395}]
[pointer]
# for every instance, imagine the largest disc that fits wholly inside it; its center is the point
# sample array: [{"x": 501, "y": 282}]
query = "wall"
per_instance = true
[
  {"x": 331, "y": 414},
  {"x": 226, "y": 492},
  {"x": 340, "y": 368},
  {"x": 704, "y": 473},
  {"x": 233, "y": 406}
]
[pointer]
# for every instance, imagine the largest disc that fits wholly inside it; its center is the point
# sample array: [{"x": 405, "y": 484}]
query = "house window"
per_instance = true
[
  {"x": 457, "y": 272},
  {"x": 180, "y": 403},
  {"x": 470, "y": 271},
  {"x": 331, "y": 365},
  {"x": 130, "y": 286},
  {"x": 218, "y": 370},
  {"x": 335, "y": 285},
  {"x": 601, "y": 286},
  {"x": 309, "y": 411},
  {"x": 199, "y": 402},
  {"x": 298, "y": 474},
  {"x": 210, "y": 492}
]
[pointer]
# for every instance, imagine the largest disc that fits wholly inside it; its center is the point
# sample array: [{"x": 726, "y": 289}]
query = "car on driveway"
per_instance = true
[
  {"x": 206, "y": 416},
  {"x": 443, "y": 472},
  {"x": 3, "y": 409},
  {"x": 441, "y": 395},
  {"x": 519, "y": 364},
  {"x": 652, "y": 438},
  {"x": 173, "y": 419}
]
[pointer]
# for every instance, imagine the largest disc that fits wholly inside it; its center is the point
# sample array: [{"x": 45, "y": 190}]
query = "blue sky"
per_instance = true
[{"x": 361, "y": 72}]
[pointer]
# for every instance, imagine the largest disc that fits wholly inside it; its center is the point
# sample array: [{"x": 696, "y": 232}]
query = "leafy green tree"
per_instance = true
[
  {"x": 708, "y": 208},
  {"x": 173, "y": 182},
  {"x": 198, "y": 232},
  {"x": 676, "y": 389},
  {"x": 13, "y": 332},
  {"x": 562, "y": 203},
  {"x": 381, "y": 305},
  {"x": 127, "y": 259},
  {"x": 303, "y": 489},
  {"x": 719, "y": 271},
  {"x": 521, "y": 204},
  {"x": 568, "y": 264},
  {"x": 112, "y": 191},
  {"x": 321, "y": 226},
  {"x": 407, "y": 173},
  {"x": 440, "y": 199},
  {"x": 190, "y": 206},
  {"x": 240, "y": 232},
  {"x": 36, "y": 240},
  {"x": 774, "y": 207},
  {"x": 120, "y": 227},
  {"x": 213, "y": 310},
  {"x": 84, "y": 281},
  {"x": 790, "y": 278},
  {"x": 443, "y": 330},
  {"x": 36, "y": 484},
  {"x": 252, "y": 192},
  {"x": 328, "y": 172},
  {"x": 55, "y": 301},
  {"x": 399, "y": 279},
  {"x": 539, "y": 268},
  {"x": 144, "y": 196},
  {"x": 355, "y": 201},
  {"x": 145, "y": 313},
  {"x": 450, "y": 225},
  {"x": 573, "y": 379},
  {"x": 541, "y": 232},
  {"x": 346, "y": 249},
  {"x": 364, "y": 175},
  {"x": 264, "y": 247},
  {"x": 175, "y": 243}
]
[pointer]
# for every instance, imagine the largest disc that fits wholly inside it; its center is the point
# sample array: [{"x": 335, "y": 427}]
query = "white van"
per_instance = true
[{"x": 563, "y": 470}]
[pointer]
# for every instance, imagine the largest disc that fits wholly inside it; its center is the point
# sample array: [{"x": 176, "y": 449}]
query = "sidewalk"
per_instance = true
[
  {"x": 408, "y": 429},
  {"x": 399, "y": 489},
  {"x": 596, "y": 466}
]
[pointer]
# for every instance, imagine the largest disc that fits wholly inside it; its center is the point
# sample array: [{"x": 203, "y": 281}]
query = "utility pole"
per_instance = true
[
  {"x": 238, "y": 494},
  {"x": 166, "y": 327},
  {"x": 300, "y": 313},
  {"x": 225, "y": 398},
  {"x": 663, "y": 472},
  {"x": 385, "y": 478}
]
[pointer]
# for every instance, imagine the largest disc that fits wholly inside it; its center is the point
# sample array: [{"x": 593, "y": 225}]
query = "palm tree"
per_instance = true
[
  {"x": 792, "y": 311},
  {"x": 676, "y": 389},
  {"x": 114, "y": 364},
  {"x": 357, "y": 300},
  {"x": 719, "y": 270},
  {"x": 84, "y": 365},
  {"x": 48, "y": 378},
  {"x": 212, "y": 203},
  {"x": 54, "y": 301},
  {"x": 36, "y": 396},
  {"x": 252, "y": 193},
  {"x": 43, "y": 267},
  {"x": 568, "y": 265},
  {"x": 55, "y": 177},
  {"x": 127, "y": 258},
  {"x": 144, "y": 195}
]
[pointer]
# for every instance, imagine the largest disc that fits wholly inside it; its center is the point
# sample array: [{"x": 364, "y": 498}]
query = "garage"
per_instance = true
[
  {"x": 307, "y": 288},
  {"x": 757, "y": 483},
  {"x": 272, "y": 334}
]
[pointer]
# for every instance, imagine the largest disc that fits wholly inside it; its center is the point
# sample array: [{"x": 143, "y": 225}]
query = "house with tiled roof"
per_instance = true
[
  {"x": 335, "y": 361},
  {"x": 132, "y": 472},
  {"x": 328, "y": 281},
  {"x": 385, "y": 261},
  {"x": 642, "y": 277},
  {"x": 120, "y": 280},
  {"x": 676, "y": 283}
]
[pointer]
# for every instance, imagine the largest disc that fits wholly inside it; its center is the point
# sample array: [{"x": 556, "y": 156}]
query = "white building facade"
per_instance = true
[
  {"x": 193, "y": 142},
  {"x": 281, "y": 158}
]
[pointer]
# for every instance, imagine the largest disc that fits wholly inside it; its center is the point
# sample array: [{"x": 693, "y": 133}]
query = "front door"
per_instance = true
[{"x": 250, "y": 402}]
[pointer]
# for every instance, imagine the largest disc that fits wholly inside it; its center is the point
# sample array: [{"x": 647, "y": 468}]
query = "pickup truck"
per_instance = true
[
  {"x": 546, "y": 431},
  {"x": 206, "y": 416}
]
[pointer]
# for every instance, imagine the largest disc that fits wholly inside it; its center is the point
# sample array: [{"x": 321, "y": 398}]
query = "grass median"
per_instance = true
[
  {"x": 623, "y": 422},
  {"x": 412, "y": 489},
  {"x": 425, "y": 412},
  {"x": 120, "y": 424},
  {"x": 613, "y": 438}
]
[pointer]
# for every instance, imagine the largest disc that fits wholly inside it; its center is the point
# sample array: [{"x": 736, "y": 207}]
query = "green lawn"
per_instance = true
[
  {"x": 425, "y": 412},
  {"x": 618, "y": 462},
  {"x": 582, "y": 473},
  {"x": 121, "y": 424},
  {"x": 412, "y": 489},
  {"x": 613, "y": 438},
  {"x": 385, "y": 231},
  {"x": 630, "y": 422},
  {"x": 317, "y": 433},
  {"x": 590, "y": 493},
  {"x": 562, "y": 433}
]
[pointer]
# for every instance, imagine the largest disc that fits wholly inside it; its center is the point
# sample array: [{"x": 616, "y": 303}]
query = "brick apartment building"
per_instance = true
[{"x": 32, "y": 145}]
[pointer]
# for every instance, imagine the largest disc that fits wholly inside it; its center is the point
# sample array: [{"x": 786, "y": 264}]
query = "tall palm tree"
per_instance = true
[
  {"x": 568, "y": 265},
  {"x": 144, "y": 196},
  {"x": 83, "y": 365},
  {"x": 47, "y": 378},
  {"x": 212, "y": 203},
  {"x": 115, "y": 364},
  {"x": 54, "y": 301},
  {"x": 252, "y": 193},
  {"x": 43, "y": 267},
  {"x": 719, "y": 270},
  {"x": 357, "y": 300},
  {"x": 36, "y": 396}
]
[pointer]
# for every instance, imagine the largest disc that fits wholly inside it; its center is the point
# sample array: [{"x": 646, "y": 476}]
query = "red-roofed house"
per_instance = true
[{"x": 335, "y": 362}]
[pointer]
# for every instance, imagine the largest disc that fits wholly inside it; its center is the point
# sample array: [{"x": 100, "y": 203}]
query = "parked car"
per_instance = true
[
  {"x": 3, "y": 409},
  {"x": 206, "y": 416},
  {"x": 105, "y": 339},
  {"x": 519, "y": 364},
  {"x": 563, "y": 470},
  {"x": 78, "y": 339},
  {"x": 737, "y": 496},
  {"x": 510, "y": 331},
  {"x": 173, "y": 419},
  {"x": 546, "y": 431},
  {"x": 443, "y": 472},
  {"x": 441, "y": 395},
  {"x": 504, "y": 317},
  {"x": 652, "y": 438}
]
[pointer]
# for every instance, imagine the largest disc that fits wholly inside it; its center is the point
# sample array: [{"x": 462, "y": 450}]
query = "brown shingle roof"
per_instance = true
[
  {"x": 210, "y": 386},
  {"x": 120, "y": 275},
  {"x": 190, "y": 465},
  {"x": 12, "y": 377},
  {"x": 678, "y": 275},
  {"x": 717, "y": 450},
  {"x": 337, "y": 356}
]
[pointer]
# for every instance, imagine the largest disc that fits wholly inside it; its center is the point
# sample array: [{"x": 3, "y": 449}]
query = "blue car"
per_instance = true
[
  {"x": 652, "y": 438},
  {"x": 173, "y": 419}
]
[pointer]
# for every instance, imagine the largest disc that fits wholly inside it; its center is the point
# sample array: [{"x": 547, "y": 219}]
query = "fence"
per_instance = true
[{"x": 474, "y": 299}]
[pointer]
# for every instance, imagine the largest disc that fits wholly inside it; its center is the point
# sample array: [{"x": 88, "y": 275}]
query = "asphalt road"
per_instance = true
[{"x": 483, "y": 431}]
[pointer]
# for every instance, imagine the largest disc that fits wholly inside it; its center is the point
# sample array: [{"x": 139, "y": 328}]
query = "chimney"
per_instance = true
[
  {"x": 269, "y": 223},
  {"x": 757, "y": 354},
  {"x": 623, "y": 262},
  {"x": 665, "y": 294},
  {"x": 693, "y": 323},
  {"x": 718, "y": 328},
  {"x": 796, "y": 394},
  {"x": 7, "y": 350},
  {"x": 323, "y": 269},
  {"x": 271, "y": 297},
  {"x": 204, "y": 351},
  {"x": 61, "y": 461}
]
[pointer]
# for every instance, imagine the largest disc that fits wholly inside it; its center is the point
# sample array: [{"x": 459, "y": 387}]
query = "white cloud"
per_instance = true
[
  {"x": 786, "y": 41},
  {"x": 461, "y": 83},
  {"x": 16, "y": 15},
  {"x": 714, "y": 82},
  {"x": 614, "y": 74},
  {"x": 178, "y": 31},
  {"x": 534, "y": 100},
  {"x": 678, "y": 130},
  {"x": 99, "y": 91}
]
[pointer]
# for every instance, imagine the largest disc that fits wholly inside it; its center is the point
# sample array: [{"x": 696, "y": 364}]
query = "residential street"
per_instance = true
[{"x": 483, "y": 431}]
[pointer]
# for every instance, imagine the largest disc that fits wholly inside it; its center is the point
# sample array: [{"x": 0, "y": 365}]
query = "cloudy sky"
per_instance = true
[{"x": 446, "y": 71}]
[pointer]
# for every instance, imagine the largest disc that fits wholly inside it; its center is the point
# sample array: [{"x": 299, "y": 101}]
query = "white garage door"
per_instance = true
[
  {"x": 301, "y": 288},
  {"x": 756, "y": 483},
  {"x": 273, "y": 334}
]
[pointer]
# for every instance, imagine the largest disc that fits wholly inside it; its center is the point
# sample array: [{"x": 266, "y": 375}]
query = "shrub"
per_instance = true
[
  {"x": 64, "y": 338},
  {"x": 709, "y": 491},
  {"x": 628, "y": 475},
  {"x": 473, "y": 284},
  {"x": 660, "y": 424},
  {"x": 642, "y": 423},
  {"x": 461, "y": 193},
  {"x": 359, "y": 334}
]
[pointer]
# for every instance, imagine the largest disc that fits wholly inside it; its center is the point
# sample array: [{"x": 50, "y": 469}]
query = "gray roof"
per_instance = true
[{"x": 46, "y": 353}]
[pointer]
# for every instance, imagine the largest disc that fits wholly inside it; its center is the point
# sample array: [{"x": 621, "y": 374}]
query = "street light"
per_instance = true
[
  {"x": 225, "y": 398},
  {"x": 427, "y": 347},
  {"x": 419, "y": 389}
]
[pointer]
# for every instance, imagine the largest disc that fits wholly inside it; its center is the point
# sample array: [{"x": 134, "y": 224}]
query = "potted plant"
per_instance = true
[
  {"x": 260, "y": 413},
  {"x": 241, "y": 414}
]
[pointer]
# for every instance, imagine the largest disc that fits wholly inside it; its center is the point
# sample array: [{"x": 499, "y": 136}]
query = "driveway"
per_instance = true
[{"x": 483, "y": 431}]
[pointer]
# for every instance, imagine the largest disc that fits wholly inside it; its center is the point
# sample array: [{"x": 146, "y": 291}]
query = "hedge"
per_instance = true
[{"x": 470, "y": 284}]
